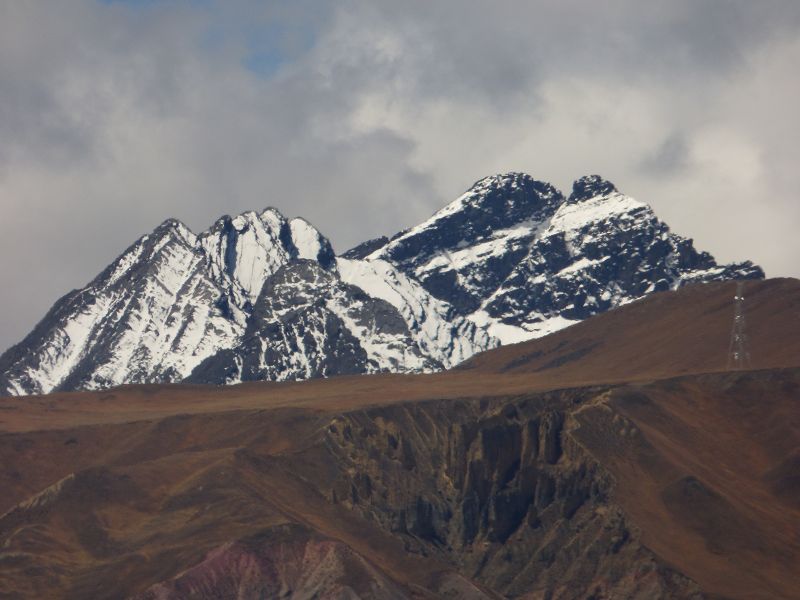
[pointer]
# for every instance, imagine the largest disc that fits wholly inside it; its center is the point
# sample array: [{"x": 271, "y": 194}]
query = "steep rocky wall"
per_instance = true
[{"x": 501, "y": 490}]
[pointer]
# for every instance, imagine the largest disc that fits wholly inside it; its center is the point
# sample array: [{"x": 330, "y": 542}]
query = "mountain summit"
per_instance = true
[
  {"x": 259, "y": 296},
  {"x": 589, "y": 186}
]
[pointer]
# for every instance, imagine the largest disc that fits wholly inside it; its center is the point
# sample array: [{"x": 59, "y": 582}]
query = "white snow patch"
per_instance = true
[
  {"x": 700, "y": 274},
  {"x": 501, "y": 242},
  {"x": 569, "y": 217},
  {"x": 257, "y": 253},
  {"x": 438, "y": 332},
  {"x": 67, "y": 345},
  {"x": 306, "y": 238},
  {"x": 126, "y": 261},
  {"x": 580, "y": 265},
  {"x": 512, "y": 334}
]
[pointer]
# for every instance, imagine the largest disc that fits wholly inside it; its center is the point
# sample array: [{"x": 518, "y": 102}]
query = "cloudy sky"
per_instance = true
[{"x": 367, "y": 116}]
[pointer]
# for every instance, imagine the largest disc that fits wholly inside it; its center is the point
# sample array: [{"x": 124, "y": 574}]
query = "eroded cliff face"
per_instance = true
[
  {"x": 632, "y": 491},
  {"x": 288, "y": 561},
  {"x": 500, "y": 489}
]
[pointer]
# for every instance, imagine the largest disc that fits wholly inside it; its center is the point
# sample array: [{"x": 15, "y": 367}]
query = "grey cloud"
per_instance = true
[
  {"x": 115, "y": 117},
  {"x": 498, "y": 48},
  {"x": 671, "y": 157}
]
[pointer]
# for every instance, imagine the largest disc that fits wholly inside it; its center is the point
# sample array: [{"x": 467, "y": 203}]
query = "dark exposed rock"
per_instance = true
[
  {"x": 364, "y": 249},
  {"x": 495, "y": 491},
  {"x": 589, "y": 186},
  {"x": 298, "y": 331}
]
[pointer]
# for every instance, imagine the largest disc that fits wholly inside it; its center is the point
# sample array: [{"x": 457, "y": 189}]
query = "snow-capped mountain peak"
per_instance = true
[
  {"x": 169, "y": 301},
  {"x": 260, "y": 296},
  {"x": 492, "y": 204}
]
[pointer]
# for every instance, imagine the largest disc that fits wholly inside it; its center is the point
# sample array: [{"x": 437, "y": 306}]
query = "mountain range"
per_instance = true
[{"x": 263, "y": 297}]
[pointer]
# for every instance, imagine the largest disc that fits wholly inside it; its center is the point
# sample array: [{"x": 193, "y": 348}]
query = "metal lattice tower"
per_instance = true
[{"x": 738, "y": 353}]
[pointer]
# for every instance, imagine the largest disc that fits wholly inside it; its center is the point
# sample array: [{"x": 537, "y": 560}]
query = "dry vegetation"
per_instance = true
[{"x": 669, "y": 476}]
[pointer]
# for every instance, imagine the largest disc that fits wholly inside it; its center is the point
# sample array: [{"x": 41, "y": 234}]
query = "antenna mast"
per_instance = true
[{"x": 738, "y": 354}]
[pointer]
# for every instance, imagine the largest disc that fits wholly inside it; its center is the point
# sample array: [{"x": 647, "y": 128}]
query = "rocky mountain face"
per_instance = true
[
  {"x": 506, "y": 491},
  {"x": 287, "y": 561},
  {"x": 520, "y": 260},
  {"x": 306, "y": 323},
  {"x": 259, "y": 296}
]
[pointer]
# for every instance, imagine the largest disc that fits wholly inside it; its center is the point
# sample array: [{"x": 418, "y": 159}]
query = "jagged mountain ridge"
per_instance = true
[
  {"x": 515, "y": 256},
  {"x": 259, "y": 296},
  {"x": 169, "y": 301}
]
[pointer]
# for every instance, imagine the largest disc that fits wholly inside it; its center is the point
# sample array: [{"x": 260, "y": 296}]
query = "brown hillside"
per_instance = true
[{"x": 606, "y": 461}]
